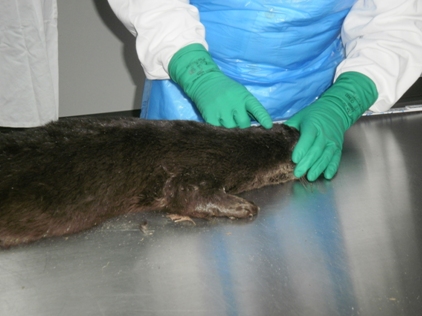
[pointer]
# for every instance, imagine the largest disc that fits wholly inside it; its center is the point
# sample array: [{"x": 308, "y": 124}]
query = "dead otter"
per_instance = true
[{"x": 70, "y": 175}]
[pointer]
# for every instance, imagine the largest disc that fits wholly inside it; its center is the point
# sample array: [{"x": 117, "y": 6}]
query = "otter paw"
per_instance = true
[
  {"x": 180, "y": 218},
  {"x": 225, "y": 206}
]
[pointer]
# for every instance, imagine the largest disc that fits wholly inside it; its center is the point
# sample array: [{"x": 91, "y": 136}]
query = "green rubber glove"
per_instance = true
[
  {"x": 220, "y": 100},
  {"x": 322, "y": 124}
]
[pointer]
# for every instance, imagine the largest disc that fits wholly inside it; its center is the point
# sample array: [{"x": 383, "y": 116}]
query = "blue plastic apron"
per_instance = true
[{"x": 284, "y": 52}]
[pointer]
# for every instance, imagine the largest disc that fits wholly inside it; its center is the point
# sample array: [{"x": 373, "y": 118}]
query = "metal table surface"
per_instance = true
[{"x": 350, "y": 246}]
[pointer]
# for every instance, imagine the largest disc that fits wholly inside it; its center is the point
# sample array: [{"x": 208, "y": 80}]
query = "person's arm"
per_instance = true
[
  {"x": 322, "y": 124},
  {"x": 170, "y": 31},
  {"x": 383, "y": 41},
  {"x": 221, "y": 100},
  {"x": 161, "y": 28}
]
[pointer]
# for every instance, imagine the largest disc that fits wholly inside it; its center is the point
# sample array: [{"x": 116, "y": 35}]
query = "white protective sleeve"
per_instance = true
[
  {"x": 161, "y": 27},
  {"x": 382, "y": 38}
]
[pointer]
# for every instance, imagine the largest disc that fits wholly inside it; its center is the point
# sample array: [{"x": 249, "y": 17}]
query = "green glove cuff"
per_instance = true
[
  {"x": 189, "y": 64},
  {"x": 352, "y": 94}
]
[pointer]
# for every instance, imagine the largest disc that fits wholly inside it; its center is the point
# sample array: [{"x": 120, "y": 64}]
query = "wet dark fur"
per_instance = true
[{"x": 73, "y": 174}]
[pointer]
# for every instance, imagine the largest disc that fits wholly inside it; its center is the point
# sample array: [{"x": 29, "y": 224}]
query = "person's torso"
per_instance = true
[{"x": 285, "y": 52}]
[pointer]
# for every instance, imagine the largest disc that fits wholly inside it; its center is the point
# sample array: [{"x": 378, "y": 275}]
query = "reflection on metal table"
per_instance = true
[{"x": 350, "y": 246}]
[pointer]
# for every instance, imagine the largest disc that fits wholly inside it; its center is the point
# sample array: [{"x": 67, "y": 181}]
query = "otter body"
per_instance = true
[{"x": 70, "y": 175}]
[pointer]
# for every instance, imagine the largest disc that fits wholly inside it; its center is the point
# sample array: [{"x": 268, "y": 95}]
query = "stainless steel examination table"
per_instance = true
[{"x": 350, "y": 246}]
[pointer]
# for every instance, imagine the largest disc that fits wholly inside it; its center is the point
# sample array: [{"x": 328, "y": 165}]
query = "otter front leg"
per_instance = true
[{"x": 206, "y": 198}]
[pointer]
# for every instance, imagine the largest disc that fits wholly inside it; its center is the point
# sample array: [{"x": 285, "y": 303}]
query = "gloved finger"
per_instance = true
[
  {"x": 227, "y": 121},
  {"x": 312, "y": 155},
  {"x": 322, "y": 163},
  {"x": 211, "y": 119},
  {"x": 332, "y": 167},
  {"x": 255, "y": 109},
  {"x": 242, "y": 119},
  {"x": 308, "y": 135}
]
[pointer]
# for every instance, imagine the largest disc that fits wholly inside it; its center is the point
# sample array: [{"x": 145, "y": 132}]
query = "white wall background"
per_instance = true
[{"x": 98, "y": 67}]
